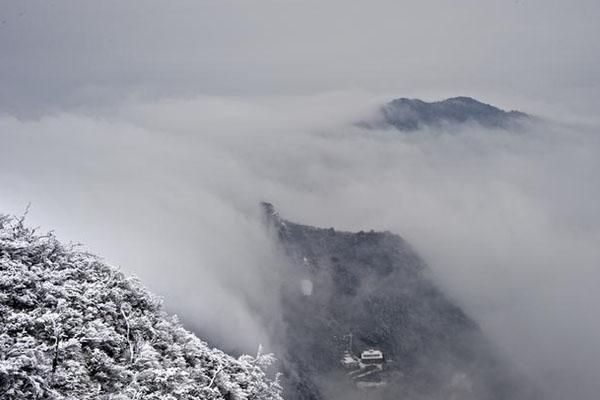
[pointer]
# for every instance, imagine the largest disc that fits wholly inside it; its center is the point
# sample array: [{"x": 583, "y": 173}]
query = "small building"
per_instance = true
[
  {"x": 350, "y": 361},
  {"x": 372, "y": 356}
]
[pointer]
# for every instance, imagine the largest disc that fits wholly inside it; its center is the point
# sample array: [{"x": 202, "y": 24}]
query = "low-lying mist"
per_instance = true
[{"x": 509, "y": 222}]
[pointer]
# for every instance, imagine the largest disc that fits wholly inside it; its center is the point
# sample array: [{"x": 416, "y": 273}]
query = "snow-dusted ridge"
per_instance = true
[{"x": 72, "y": 327}]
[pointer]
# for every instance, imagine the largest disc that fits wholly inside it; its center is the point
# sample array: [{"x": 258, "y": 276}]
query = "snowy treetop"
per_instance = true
[{"x": 72, "y": 327}]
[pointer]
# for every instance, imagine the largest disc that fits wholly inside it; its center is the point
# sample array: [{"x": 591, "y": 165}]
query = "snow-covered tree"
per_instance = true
[{"x": 72, "y": 327}]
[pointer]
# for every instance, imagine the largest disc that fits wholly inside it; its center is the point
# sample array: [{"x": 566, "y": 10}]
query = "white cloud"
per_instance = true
[{"x": 508, "y": 222}]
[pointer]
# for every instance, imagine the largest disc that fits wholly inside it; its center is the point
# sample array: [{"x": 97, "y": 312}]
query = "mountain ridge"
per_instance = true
[
  {"x": 375, "y": 287},
  {"x": 407, "y": 114}
]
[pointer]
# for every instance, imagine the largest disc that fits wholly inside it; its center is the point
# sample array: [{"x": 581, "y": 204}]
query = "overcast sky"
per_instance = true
[
  {"x": 74, "y": 52},
  {"x": 150, "y": 130}
]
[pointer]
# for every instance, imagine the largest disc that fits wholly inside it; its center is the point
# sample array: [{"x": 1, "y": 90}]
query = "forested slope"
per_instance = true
[{"x": 72, "y": 327}]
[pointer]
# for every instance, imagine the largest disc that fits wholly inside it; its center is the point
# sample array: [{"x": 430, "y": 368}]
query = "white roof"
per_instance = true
[{"x": 371, "y": 354}]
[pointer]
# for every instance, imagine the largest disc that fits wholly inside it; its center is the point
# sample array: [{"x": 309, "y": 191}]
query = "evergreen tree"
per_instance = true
[{"x": 72, "y": 327}]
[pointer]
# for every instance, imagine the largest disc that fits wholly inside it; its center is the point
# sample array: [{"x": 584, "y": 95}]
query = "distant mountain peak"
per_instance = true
[
  {"x": 412, "y": 114},
  {"x": 465, "y": 99}
]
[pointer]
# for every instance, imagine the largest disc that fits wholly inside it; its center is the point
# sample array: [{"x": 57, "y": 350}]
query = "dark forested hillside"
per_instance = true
[
  {"x": 411, "y": 114},
  {"x": 369, "y": 290},
  {"x": 72, "y": 327}
]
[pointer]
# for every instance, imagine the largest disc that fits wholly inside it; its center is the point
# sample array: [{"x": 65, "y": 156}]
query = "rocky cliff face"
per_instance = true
[{"x": 355, "y": 291}]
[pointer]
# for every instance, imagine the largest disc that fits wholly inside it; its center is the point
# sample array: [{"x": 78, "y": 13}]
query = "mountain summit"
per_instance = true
[
  {"x": 412, "y": 114},
  {"x": 362, "y": 313}
]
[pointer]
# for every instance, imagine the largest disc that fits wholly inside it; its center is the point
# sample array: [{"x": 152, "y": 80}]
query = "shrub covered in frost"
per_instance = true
[{"x": 72, "y": 327}]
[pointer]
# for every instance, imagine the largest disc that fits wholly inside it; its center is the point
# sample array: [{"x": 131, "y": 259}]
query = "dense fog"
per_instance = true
[
  {"x": 149, "y": 132},
  {"x": 508, "y": 221}
]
